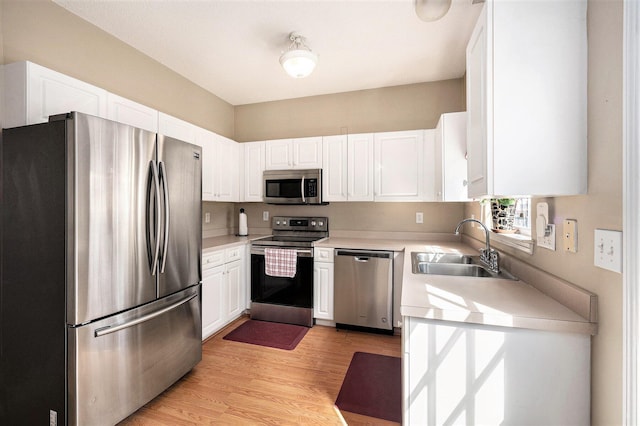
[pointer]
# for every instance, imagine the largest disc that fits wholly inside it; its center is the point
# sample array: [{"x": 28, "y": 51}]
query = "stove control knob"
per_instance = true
[
  {"x": 313, "y": 223},
  {"x": 277, "y": 222},
  {"x": 320, "y": 223},
  {"x": 284, "y": 222}
]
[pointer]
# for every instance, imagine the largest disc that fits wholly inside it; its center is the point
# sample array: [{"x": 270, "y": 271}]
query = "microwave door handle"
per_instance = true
[{"x": 302, "y": 190}]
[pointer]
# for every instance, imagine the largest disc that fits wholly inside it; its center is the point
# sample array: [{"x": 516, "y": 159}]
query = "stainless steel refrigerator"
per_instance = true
[{"x": 100, "y": 302}]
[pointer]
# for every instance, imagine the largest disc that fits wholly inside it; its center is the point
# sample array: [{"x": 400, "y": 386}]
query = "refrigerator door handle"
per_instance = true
[
  {"x": 115, "y": 328},
  {"x": 163, "y": 179},
  {"x": 156, "y": 185}
]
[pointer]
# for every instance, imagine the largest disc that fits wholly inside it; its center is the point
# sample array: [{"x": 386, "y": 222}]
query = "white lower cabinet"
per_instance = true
[
  {"x": 323, "y": 283},
  {"x": 472, "y": 374},
  {"x": 223, "y": 288}
]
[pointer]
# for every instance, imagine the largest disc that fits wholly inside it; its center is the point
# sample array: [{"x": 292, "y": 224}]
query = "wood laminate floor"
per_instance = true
[{"x": 238, "y": 383}]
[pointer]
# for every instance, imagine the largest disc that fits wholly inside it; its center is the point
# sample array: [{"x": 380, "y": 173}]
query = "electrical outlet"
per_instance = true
[
  {"x": 607, "y": 250},
  {"x": 419, "y": 217},
  {"x": 207, "y": 217},
  {"x": 265, "y": 216}
]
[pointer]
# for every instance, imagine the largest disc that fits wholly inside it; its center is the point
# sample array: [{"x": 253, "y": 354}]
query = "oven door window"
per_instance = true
[
  {"x": 296, "y": 291},
  {"x": 284, "y": 188}
]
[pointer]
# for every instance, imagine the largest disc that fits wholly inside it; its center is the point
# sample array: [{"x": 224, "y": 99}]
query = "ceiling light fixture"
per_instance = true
[
  {"x": 432, "y": 10},
  {"x": 298, "y": 61}
]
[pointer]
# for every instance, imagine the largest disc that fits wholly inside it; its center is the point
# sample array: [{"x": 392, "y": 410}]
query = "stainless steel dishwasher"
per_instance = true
[{"x": 363, "y": 289}]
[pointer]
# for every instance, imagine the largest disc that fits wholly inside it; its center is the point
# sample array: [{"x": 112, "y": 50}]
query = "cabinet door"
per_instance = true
[
  {"x": 176, "y": 128},
  {"x": 213, "y": 298},
  {"x": 254, "y": 166},
  {"x": 307, "y": 153},
  {"x": 279, "y": 154},
  {"x": 323, "y": 290},
  {"x": 360, "y": 167},
  {"x": 226, "y": 173},
  {"x": 132, "y": 113},
  {"x": 33, "y": 93},
  {"x": 235, "y": 290},
  {"x": 399, "y": 160},
  {"x": 334, "y": 171},
  {"x": 477, "y": 130},
  {"x": 453, "y": 145}
]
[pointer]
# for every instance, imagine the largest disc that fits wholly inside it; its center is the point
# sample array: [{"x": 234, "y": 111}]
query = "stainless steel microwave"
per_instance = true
[{"x": 293, "y": 186}]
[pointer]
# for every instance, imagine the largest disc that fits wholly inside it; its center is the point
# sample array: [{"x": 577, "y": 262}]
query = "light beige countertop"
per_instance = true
[
  {"x": 227, "y": 241},
  {"x": 486, "y": 301}
]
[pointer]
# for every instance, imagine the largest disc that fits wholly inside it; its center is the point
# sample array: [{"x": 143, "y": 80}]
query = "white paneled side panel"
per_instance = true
[
  {"x": 334, "y": 170},
  {"x": 458, "y": 373},
  {"x": 254, "y": 166},
  {"x": 15, "y": 94},
  {"x": 132, "y": 113},
  {"x": 439, "y": 157},
  {"x": 360, "y": 167}
]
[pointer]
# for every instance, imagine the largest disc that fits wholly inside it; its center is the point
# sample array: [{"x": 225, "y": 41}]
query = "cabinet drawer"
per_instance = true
[
  {"x": 233, "y": 254},
  {"x": 323, "y": 254},
  {"x": 213, "y": 259}
]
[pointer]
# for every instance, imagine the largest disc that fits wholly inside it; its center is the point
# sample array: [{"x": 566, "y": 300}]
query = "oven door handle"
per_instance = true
[{"x": 301, "y": 252}]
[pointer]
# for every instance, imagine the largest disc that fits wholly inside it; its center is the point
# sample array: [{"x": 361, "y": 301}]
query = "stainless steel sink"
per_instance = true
[
  {"x": 453, "y": 264},
  {"x": 440, "y": 257}
]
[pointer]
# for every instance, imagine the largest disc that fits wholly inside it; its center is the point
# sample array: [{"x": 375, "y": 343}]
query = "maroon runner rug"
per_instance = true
[
  {"x": 373, "y": 387},
  {"x": 271, "y": 334}
]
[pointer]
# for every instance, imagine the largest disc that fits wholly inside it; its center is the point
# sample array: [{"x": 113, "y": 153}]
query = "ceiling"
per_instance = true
[{"x": 231, "y": 47}]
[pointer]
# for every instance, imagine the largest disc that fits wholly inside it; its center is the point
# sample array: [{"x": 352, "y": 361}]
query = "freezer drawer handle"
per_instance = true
[{"x": 115, "y": 328}]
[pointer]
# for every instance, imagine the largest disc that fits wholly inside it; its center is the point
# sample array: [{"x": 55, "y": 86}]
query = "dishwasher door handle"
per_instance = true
[{"x": 361, "y": 259}]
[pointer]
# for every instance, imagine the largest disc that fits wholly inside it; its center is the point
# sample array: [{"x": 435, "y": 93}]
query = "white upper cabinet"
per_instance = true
[
  {"x": 300, "y": 153},
  {"x": 33, "y": 93},
  {"x": 176, "y": 128},
  {"x": 132, "y": 113},
  {"x": 450, "y": 169},
  {"x": 226, "y": 170},
  {"x": 527, "y": 99},
  {"x": 254, "y": 166},
  {"x": 334, "y": 171},
  {"x": 360, "y": 169},
  {"x": 348, "y": 165},
  {"x": 400, "y": 166}
]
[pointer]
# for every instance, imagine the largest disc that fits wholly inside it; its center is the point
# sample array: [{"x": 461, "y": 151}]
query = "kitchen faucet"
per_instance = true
[{"x": 488, "y": 256}]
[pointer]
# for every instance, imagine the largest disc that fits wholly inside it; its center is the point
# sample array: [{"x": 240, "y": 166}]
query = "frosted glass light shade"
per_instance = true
[
  {"x": 432, "y": 10},
  {"x": 298, "y": 63}
]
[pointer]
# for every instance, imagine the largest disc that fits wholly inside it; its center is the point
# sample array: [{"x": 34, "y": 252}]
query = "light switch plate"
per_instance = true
[
  {"x": 207, "y": 217},
  {"x": 570, "y": 235},
  {"x": 419, "y": 217},
  {"x": 607, "y": 250},
  {"x": 265, "y": 216},
  {"x": 548, "y": 241}
]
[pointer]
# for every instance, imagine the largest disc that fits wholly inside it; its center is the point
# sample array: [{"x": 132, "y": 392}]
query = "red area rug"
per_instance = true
[
  {"x": 373, "y": 387},
  {"x": 271, "y": 334}
]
